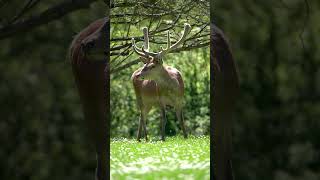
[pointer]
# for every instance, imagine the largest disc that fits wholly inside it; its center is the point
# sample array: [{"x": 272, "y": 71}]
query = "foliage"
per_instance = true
[
  {"x": 176, "y": 158},
  {"x": 128, "y": 18},
  {"x": 42, "y": 132},
  {"x": 276, "y": 124}
]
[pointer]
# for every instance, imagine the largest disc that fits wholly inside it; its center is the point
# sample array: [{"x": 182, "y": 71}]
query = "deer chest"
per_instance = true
[{"x": 169, "y": 95}]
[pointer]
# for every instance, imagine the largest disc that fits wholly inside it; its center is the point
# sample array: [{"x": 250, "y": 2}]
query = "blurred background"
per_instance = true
[
  {"x": 276, "y": 125},
  {"x": 42, "y": 130}
]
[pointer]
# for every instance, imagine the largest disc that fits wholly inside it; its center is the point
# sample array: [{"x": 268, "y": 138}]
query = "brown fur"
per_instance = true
[
  {"x": 163, "y": 87},
  {"x": 225, "y": 83},
  {"x": 92, "y": 80},
  {"x": 75, "y": 53},
  {"x": 149, "y": 89}
]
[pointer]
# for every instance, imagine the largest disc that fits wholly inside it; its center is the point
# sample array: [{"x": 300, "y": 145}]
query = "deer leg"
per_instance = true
[
  {"x": 142, "y": 124},
  {"x": 101, "y": 144},
  {"x": 139, "y": 128},
  {"x": 101, "y": 171},
  {"x": 144, "y": 127},
  {"x": 163, "y": 122},
  {"x": 181, "y": 121}
]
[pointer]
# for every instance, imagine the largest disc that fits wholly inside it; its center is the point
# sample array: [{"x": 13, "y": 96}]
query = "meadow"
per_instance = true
[{"x": 175, "y": 158}]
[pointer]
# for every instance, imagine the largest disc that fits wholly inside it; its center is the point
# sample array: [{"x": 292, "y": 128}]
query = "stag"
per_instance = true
[
  {"x": 224, "y": 94},
  {"x": 158, "y": 85},
  {"x": 88, "y": 59}
]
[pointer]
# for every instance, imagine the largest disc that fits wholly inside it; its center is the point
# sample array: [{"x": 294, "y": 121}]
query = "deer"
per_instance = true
[
  {"x": 88, "y": 53},
  {"x": 224, "y": 94},
  {"x": 158, "y": 85}
]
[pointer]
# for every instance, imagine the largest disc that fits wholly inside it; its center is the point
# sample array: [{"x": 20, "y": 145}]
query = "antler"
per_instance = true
[
  {"x": 144, "y": 51},
  {"x": 146, "y": 38},
  {"x": 186, "y": 31},
  {"x": 145, "y": 47},
  {"x": 137, "y": 50}
]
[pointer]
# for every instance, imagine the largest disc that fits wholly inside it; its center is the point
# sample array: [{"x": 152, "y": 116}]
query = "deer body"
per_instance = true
[
  {"x": 90, "y": 70},
  {"x": 168, "y": 91},
  {"x": 225, "y": 83},
  {"x": 158, "y": 85},
  {"x": 163, "y": 92}
]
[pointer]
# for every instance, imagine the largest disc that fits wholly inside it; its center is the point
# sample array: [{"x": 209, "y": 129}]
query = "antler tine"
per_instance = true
[
  {"x": 137, "y": 50},
  {"x": 168, "y": 42},
  {"x": 146, "y": 38},
  {"x": 145, "y": 47},
  {"x": 148, "y": 53},
  {"x": 186, "y": 31}
]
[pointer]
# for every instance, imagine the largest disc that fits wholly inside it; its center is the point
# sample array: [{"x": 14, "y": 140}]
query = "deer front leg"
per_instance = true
[
  {"x": 181, "y": 121},
  {"x": 139, "y": 129},
  {"x": 144, "y": 128},
  {"x": 163, "y": 122},
  {"x": 100, "y": 133},
  {"x": 101, "y": 171},
  {"x": 142, "y": 124}
]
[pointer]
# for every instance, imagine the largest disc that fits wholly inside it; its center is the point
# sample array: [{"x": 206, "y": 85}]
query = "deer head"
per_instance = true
[
  {"x": 94, "y": 45},
  {"x": 153, "y": 60}
]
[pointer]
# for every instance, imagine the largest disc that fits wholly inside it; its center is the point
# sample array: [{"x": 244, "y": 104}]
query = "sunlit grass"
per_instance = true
[{"x": 176, "y": 158}]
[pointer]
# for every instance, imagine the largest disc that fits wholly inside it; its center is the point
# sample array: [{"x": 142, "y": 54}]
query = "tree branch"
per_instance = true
[
  {"x": 30, "y": 4},
  {"x": 164, "y": 18},
  {"x": 50, "y": 14},
  {"x": 129, "y": 64},
  {"x": 136, "y": 61}
]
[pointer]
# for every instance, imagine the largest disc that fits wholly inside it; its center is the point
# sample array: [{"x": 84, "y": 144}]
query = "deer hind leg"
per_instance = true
[
  {"x": 181, "y": 121},
  {"x": 163, "y": 122}
]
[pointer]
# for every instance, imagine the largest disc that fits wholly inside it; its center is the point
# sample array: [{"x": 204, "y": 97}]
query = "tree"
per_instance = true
[
  {"x": 22, "y": 20},
  {"x": 159, "y": 17}
]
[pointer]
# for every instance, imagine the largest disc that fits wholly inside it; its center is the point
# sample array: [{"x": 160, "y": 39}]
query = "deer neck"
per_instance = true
[{"x": 163, "y": 78}]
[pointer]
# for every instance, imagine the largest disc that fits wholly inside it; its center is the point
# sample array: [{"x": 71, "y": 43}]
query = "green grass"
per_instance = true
[{"x": 176, "y": 158}]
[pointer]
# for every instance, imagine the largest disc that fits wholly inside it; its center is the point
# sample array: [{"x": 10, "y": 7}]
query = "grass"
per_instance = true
[{"x": 176, "y": 158}]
